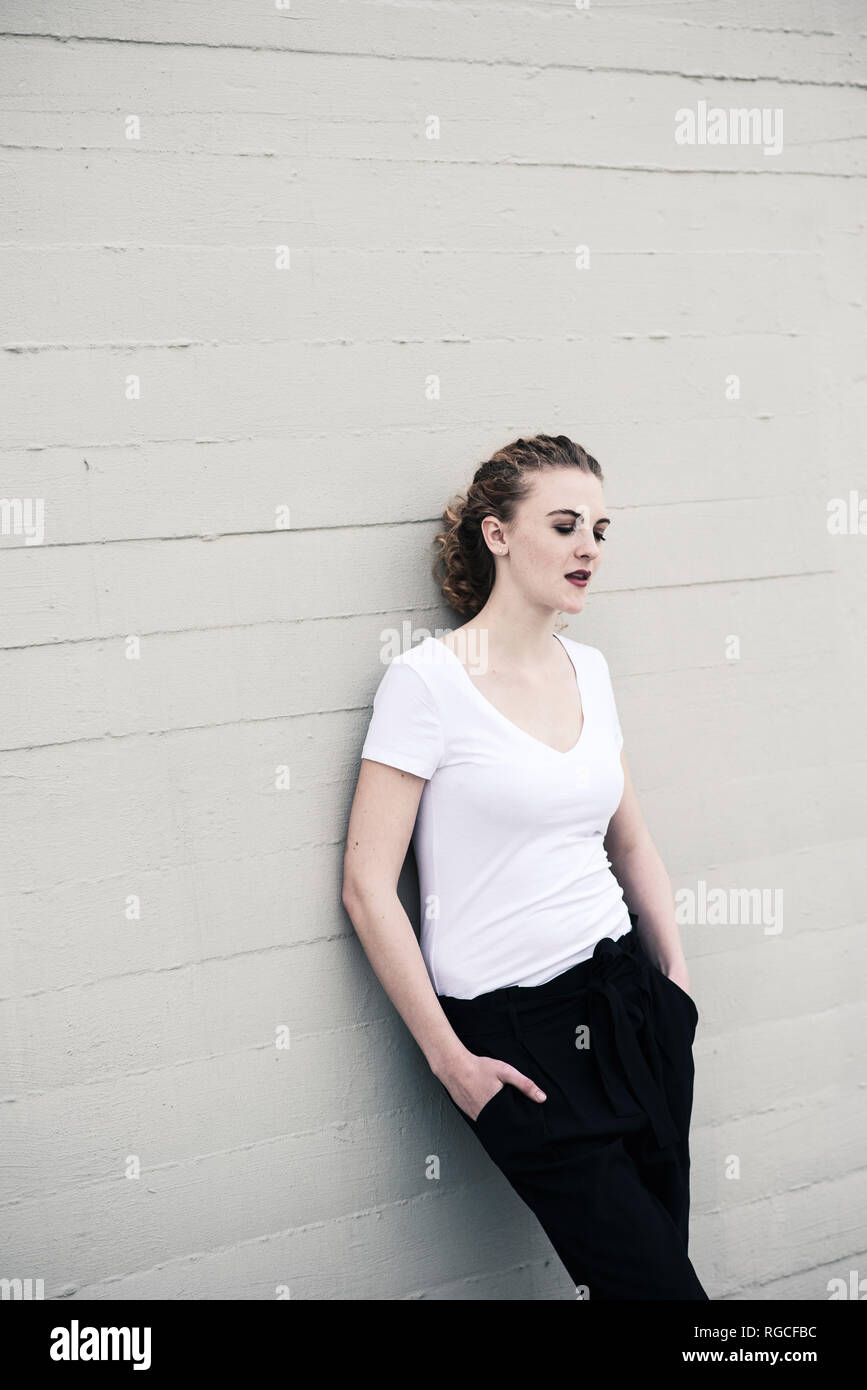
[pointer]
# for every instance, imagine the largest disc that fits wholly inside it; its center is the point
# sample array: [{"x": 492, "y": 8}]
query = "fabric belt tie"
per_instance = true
[{"x": 612, "y": 966}]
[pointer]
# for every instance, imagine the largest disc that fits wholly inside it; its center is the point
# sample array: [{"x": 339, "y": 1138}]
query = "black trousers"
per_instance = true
[{"x": 603, "y": 1163}]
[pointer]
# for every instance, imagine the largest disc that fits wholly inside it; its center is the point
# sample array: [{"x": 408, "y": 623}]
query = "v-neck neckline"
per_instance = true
[{"x": 510, "y": 723}]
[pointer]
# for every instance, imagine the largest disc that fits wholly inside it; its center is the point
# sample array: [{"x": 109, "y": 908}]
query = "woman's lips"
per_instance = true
[{"x": 580, "y": 583}]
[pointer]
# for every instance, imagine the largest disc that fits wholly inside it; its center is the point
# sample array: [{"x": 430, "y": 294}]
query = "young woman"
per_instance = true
[{"x": 558, "y": 1022}]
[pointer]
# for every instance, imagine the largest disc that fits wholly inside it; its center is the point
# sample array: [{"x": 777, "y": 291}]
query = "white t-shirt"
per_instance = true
[{"x": 514, "y": 880}]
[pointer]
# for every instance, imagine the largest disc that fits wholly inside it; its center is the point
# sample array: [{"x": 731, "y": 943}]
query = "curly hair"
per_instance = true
[{"x": 464, "y": 566}]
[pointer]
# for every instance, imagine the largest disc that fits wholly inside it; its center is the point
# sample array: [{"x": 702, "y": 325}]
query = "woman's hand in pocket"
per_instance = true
[
  {"x": 479, "y": 1079},
  {"x": 680, "y": 976}
]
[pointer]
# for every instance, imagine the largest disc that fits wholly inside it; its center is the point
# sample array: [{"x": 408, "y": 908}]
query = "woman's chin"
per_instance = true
[{"x": 574, "y": 602}]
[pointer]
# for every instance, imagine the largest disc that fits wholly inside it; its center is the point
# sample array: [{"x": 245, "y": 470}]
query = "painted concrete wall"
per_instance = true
[{"x": 258, "y": 326}]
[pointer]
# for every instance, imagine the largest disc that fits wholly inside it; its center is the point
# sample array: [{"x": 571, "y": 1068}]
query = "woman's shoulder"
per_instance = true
[
  {"x": 426, "y": 658},
  {"x": 423, "y": 654},
  {"x": 584, "y": 651}
]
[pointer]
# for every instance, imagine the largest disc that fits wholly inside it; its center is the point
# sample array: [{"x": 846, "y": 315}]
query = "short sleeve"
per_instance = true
[
  {"x": 404, "y": 729},
  {"x": 611, "y": 702}
]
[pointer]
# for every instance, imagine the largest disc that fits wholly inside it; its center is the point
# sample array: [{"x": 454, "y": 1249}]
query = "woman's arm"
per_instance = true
[
  {"x": 638, "y": 868},
  {"x": 380, "y": 826}
]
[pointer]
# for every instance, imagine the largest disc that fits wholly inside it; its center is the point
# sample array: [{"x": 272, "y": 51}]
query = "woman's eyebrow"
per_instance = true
[{"x": 563, "y": 511}]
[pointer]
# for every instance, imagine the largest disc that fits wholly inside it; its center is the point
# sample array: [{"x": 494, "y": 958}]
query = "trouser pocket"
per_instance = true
[
  {"x": 684, "y": 1000},
  {"x": 510, "y": 1125}
]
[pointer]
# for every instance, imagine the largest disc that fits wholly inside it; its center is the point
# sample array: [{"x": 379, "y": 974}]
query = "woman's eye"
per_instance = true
[{"x": 567, "y": 531}]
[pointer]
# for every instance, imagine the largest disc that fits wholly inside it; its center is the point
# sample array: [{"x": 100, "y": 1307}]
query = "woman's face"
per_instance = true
[{"x": 558, "y": 529}]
